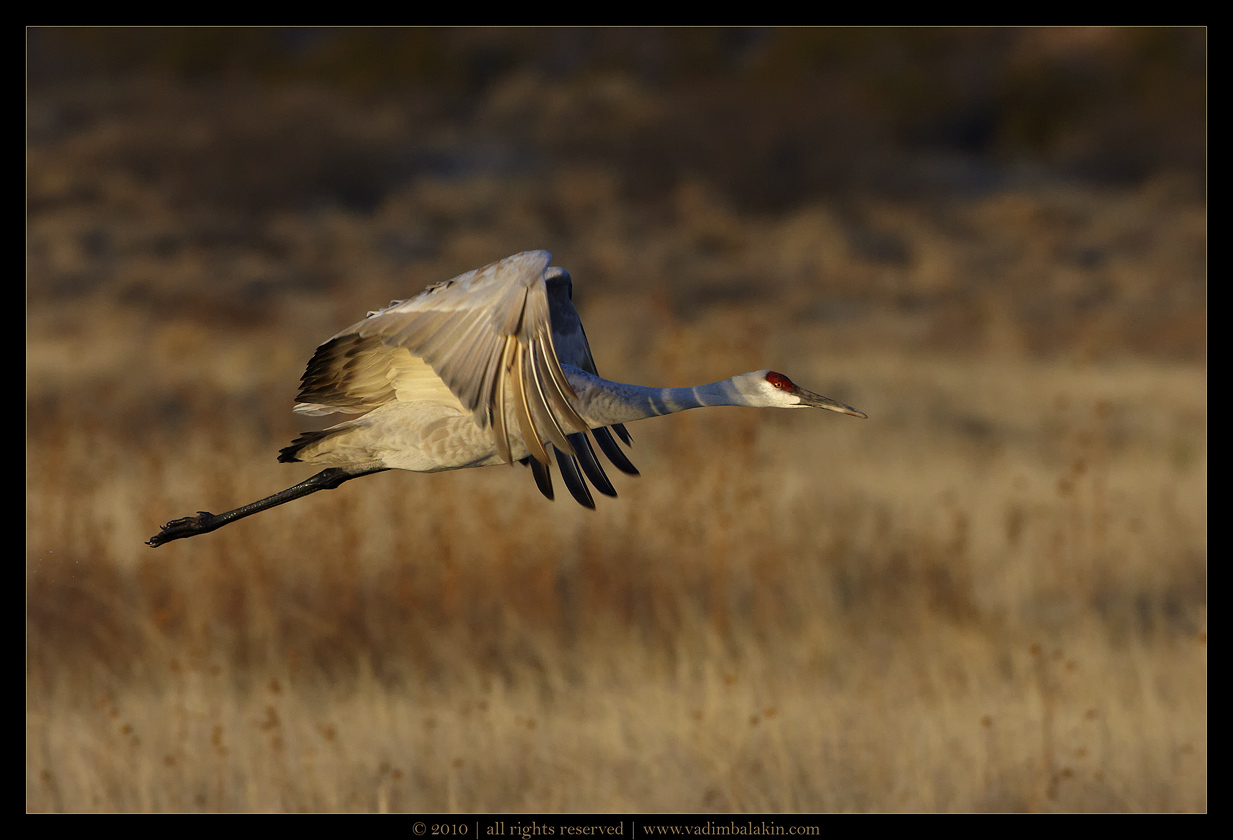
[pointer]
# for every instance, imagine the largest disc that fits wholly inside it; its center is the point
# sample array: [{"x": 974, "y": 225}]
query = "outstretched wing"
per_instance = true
[
  {"x": 572, "y": 348},
  {"x": 476, "y": 338}
]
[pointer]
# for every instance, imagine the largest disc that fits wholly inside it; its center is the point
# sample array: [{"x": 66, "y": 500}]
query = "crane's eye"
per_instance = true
[{"x": 780, "y": 381}]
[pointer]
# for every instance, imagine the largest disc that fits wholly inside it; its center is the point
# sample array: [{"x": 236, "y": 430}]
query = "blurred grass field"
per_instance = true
[{"x": 991, "y": 595}]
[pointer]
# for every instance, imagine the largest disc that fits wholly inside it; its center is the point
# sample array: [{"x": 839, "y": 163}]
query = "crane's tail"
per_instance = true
[{"x": 291, "y": 454}]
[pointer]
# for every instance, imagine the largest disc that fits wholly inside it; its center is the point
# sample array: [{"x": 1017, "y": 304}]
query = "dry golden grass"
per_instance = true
[
  {"x": 783, "y": 613},
  {"x": 989, "y": 596}
]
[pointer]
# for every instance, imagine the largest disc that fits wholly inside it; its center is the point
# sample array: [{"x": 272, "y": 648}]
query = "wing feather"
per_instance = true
[
  {"x": 479, "y": 333},
  {"x": 499, "y": 431},
  {"x": 522, "y": 410},
  {"x": 490, "y": 343},
  {"x": 571, "y": 346}
]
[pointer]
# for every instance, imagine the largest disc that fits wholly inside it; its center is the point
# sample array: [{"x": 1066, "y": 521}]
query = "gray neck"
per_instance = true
[{"x": 603, "y": 403}]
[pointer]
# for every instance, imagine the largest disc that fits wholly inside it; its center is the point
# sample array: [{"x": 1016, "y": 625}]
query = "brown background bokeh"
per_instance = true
[{"x": 989, "y": 596}]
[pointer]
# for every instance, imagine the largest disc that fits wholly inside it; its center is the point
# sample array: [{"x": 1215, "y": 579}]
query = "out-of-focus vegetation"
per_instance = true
[
  {"x": 989, "y": 596},
  {"x": 771, "y": 117}
]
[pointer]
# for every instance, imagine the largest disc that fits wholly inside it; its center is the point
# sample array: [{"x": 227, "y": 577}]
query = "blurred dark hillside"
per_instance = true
[
  {"x": 771, "y": 117},
  {"x": 1013, "y": 189}
]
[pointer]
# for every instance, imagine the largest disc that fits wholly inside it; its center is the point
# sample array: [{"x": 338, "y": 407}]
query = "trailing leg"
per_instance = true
[{"x": 205, "y": 522}]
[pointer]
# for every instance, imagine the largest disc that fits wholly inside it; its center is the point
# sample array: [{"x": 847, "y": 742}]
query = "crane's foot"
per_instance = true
[{"x": 189, "y": 526}]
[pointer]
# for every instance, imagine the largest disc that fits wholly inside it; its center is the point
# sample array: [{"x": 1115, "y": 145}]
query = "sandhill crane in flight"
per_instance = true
[{"x": 492, "y": 367}]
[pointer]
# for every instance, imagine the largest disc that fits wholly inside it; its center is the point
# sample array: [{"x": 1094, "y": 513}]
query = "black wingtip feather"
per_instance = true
[
  {"x": 623, "y": 433},
  {"x": 604, "y": 438},
  {"x": 543, "y": 476},
  {"x": 590, "y": 466},
  {"x": 573, "y": 479}
]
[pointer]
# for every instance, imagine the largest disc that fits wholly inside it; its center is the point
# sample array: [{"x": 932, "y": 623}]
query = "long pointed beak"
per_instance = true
[{"x": 813, "y": 400}]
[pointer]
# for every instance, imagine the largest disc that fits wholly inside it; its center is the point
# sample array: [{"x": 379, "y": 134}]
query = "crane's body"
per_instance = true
[{"x": 492, "y": 367}]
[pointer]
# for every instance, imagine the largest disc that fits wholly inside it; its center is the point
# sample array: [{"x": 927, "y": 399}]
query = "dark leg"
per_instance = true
[{"x": 204, "y": 522}]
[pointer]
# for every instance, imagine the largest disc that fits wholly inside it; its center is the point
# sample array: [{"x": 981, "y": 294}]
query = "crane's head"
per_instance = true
[{"x": 774, "y": 390}]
